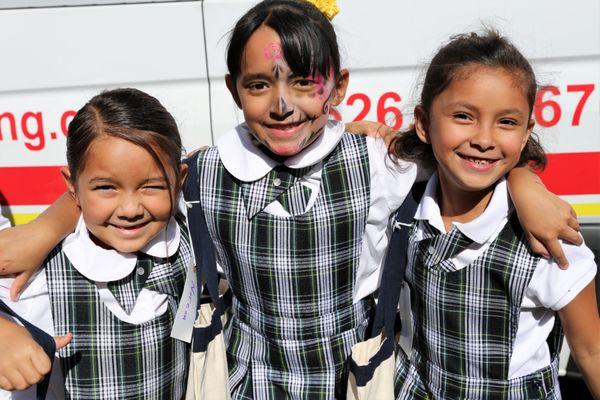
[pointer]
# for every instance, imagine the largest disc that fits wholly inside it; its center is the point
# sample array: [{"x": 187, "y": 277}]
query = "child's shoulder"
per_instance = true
[
  {"x": 554, "y": 287},
  {"x": 56, "y": 256}
]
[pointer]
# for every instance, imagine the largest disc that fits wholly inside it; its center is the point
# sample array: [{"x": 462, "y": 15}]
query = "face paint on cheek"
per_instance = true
[
  {"x": 320, "y": 86},
  {"x": 309, "y": 139}
]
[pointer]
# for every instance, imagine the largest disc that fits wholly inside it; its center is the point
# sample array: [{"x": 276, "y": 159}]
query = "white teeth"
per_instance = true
[{"x": 479, "y": 161}]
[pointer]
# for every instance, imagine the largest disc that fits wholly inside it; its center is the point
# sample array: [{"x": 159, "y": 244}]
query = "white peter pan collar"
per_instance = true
[
  {"x": 104, "y": 265},
  {"x": 245, "y": 161},
  {"x": 481, "y": 228}
]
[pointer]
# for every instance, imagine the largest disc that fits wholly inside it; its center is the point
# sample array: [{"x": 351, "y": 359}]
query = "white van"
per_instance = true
[{"x": 58, "y": 53}]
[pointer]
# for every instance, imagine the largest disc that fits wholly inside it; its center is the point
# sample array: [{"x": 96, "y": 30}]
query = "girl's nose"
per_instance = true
[
  {"x": 281, "y": 107},
  {"x": 130, "y": 208},
  {"x": 484, "y": 138}
]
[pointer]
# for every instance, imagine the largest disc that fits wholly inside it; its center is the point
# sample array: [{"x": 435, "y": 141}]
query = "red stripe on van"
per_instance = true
[
  {"x": 566, "y": 173},
  {"x": 573, "y": 173},
  {"x": 26, "y": 186}
]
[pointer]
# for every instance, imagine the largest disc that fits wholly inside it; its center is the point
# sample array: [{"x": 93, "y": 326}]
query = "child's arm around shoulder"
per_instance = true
[
  {"x": 23, "y": 248},
  {"x": 543, "y": 215}
]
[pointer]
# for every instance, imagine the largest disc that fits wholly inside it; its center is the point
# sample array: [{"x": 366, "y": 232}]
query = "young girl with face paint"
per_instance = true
[
  {"x": 485, "y": 307},
  {"x": 298, "y": 208}
]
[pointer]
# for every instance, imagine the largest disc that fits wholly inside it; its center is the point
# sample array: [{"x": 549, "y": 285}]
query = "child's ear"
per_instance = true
[
  {"x": 66, "y": 174},
  {"x": 339, "y": 91},
  {"x": 233, "y": 90},
  {"x": 421, "y": 124},
  {"x": 183, "y": 171}
]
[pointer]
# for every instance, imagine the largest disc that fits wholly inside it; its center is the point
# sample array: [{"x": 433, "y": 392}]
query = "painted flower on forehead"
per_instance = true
[
  {"x": 328, "y": 7},
  {"x": 273, "y": 52}
]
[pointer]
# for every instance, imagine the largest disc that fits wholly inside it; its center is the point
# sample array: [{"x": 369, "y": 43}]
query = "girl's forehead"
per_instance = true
[
  {"x": 488, "y": 88},
  {"x": 106, "y": 153},
  {"x": 263, "y": 55},
  {"x": 264, "y": 37},
  {"x": 263, "y": 50}
]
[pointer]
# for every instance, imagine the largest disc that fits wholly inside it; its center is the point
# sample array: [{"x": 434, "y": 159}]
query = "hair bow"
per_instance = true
[{"x": 328, "y": 7}]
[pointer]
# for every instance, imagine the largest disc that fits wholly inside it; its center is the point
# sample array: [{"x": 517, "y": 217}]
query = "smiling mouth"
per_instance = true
[
  {"x": 477, "y": 160},
  {"x": 130, "y": 229},
  {"x": 478, "y": 163},
  {"x": 292, "y": 126}
]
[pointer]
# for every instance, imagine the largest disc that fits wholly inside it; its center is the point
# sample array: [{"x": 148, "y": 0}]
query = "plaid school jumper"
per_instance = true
[
  {"x": 466, "y": 320},
  {"x": 109, "y": 358},
  {"x": 293, "y": 319}
]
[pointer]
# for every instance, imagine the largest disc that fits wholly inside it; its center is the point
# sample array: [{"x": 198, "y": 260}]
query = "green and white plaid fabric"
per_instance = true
[
  {"x": 109, "y": 358},
  {"x": 466, "y": 320},
  {"x": 293, "y": 318}
]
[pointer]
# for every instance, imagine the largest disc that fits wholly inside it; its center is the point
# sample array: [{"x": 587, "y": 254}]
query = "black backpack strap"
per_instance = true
[
  {"x": 43, "y": 339},
  {"x": 395, "y": 262},
  {"x": 391, "y": 282},
  {"x": 204, "y": 253}
]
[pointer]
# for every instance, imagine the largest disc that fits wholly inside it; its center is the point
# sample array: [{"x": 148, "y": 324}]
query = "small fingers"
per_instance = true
[
  {"x": 41, "y": 363},
  {"x": 537, "y": 247},
  {"x": 30, "y": 376},
  {"x": 62, "y": 341},
  {"x": 571, "y": 235},
  {"x": 556, "y": 251},
  {"x": 16, "y": 380},
  {"x": 573, "y": 213},
  {"x": 5, "y": 384},
  {"x": 573, "y": 224},
  {"x": 19, "y": 284}
]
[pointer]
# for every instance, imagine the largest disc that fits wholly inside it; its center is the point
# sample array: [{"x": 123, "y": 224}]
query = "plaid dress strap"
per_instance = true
[
  {"x": 293, "y": 318},
  {"x": 109, "y": 358},
  {"x": 465, "y": 324}
]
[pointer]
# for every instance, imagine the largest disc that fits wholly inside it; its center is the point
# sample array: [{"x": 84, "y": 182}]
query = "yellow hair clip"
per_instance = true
[{"x": 327, "y": 7}]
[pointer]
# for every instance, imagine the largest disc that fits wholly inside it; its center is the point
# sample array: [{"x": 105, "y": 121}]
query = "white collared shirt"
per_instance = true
[
  {"x": 390, "y": 182},
  {"x": 100, "y": 266},
  {"x": 549, "y": 290}
]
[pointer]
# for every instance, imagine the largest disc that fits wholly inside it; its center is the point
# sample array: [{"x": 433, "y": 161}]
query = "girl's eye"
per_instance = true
[
  {"x": 462, "y": 116},
  {"x": 103, "y": 187},
  {"x": 155, "y": 187},
  {"x": 509, "y": 122},
  {"x": 256, "y": 86},
  {"x": 304, "y": 83}
]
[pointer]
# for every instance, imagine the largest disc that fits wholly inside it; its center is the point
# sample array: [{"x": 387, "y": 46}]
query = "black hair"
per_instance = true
[
  {"x": 308, "y": 40},
  {"x": 131, "y": 115},
  {"x": 487, "y": 49}
]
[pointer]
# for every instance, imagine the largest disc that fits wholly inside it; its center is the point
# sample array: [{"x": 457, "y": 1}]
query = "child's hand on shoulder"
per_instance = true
[
  {"x": 23, "y": 363},
  {"x": 21, "y": 253},
  {"x": 373, "y": 129},
  {"x": 544, "y": 216},
  {"x": 199, "y": 149}
]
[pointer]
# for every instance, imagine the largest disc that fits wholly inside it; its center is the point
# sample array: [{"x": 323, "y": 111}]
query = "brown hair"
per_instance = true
[
  {"x": 131, "y": 115},
  {"x": 488, "y": 49}
]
